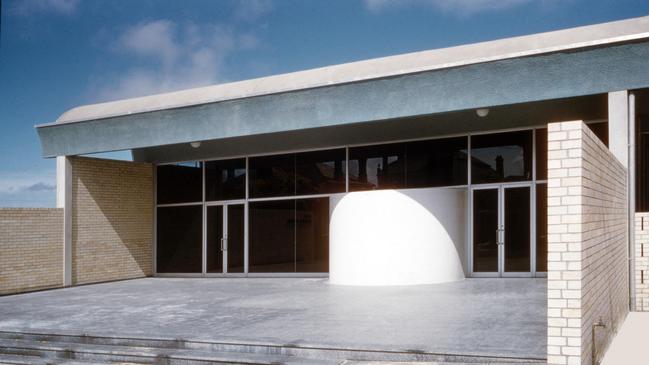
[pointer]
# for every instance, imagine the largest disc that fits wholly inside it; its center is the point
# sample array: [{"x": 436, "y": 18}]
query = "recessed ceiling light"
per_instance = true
[{"x": 482, "y": 112}]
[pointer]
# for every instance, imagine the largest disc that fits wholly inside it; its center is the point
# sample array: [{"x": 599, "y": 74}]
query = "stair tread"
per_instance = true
[
  {"x": 152, "y": 352},
  {"x": 21, "y": 359}
]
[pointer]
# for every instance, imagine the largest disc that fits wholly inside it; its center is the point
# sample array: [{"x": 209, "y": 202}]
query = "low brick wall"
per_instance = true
[
  {"x": 587, "y": 244},
  {"x": 641, "y": 262},
  {"x": 112, "y": 220},
  {"x": 31, "y": 249}
]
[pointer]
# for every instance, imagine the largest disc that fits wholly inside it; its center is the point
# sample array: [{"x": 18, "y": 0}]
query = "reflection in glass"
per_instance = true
[
  {"x": 225, "y": 179},
  {"x": 272, "y": 236},
  {"x": 485, "y": 226},
  {"x": 179, "y": 183},
  {"x": 601, "y": 131},
  {"x": 235, "y": 238},
  {"x": 517, "y": 229},
  {"x": 272, "y": 176},
  {"x": 501, "y": 157},
  {"x": 438, "y": 162},
  {"x": 214, "y": 229},
  {"x": 179, "y": 239},
  {"x": 541, "y": 154},
  {"x": 320, "y": 172},
  {"x": 377, "y": 167},
  {"x": 312, "y": 235},
  {"x": 542, "y": 227}
]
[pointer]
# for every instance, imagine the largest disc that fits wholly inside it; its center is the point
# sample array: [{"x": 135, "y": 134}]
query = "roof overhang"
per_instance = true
[{"x": 581, "y": 61}]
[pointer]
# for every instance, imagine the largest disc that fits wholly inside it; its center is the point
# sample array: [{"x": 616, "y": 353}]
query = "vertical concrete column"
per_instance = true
[
  {"x": 618, "y": 125},
  {"x": 621, "y": 131},
  {"x": 64, "y": 200}
]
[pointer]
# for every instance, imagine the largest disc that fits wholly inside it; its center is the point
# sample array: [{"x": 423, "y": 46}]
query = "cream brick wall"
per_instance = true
[
  {"x": 112, "y": 220},
  {"x": 642, "y": 262},
  {"x": 31, "y": 249},
  {"x": 587, "y": 244}
]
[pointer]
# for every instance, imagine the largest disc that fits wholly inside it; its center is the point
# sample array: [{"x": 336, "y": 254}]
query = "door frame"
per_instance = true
[
  {"x": 501, "y": 187},
  {"x": 224, "y": 206}
]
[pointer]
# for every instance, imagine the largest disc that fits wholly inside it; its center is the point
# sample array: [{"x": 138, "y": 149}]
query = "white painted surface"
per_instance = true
[
  {"x": 618, "y": 125},
  {"x": 555, "y": 41},
  {"x": 629, "y": 347},
  {"x": 60, "y": 181},
  {"x": 64, "y": 200},
  {"x": 398, "y": 237}
]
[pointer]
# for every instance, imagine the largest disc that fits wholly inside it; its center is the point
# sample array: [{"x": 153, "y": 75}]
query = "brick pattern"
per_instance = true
[
  {"x": 31, "y": 249},
  {"x": 587, "y": 244},
  {"x": 112, "y": 220},
  {"x": 641, "y": 262}
]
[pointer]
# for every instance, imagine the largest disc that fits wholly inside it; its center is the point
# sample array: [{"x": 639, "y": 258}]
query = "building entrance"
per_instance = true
[
  {"x": 224, "y": 244},
  {"x": 501, "y": 238}
]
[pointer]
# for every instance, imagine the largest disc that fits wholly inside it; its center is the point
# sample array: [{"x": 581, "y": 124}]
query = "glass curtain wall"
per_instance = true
[
  {"x": 287, "y": 197},
  {"x": 179, "y": 223}
]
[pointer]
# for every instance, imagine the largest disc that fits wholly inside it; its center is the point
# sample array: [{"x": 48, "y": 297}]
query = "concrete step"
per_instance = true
[
  {"x": 302, "y": 351},
  {"x": 434, "y": 363},
  {"x": 35, "y": 360},
  {"x": 142, "y": 355},
  {"x": 21, "y": 360}
]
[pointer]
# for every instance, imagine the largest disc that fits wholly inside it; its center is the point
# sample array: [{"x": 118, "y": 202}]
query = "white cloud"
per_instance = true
[
  {"x": 21, "y": 181},
  {"x": 167, "y": 56},
  {"x": 153, "y": 39},
  {"x": 251, "y": 10},
  {"x": 28, "y": 188},
  {"x": 29, "y": 7},
  {"x": 457, "y": 7}
]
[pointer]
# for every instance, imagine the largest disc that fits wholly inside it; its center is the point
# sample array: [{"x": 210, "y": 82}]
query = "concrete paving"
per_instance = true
[{"x": 490, "y": 317}]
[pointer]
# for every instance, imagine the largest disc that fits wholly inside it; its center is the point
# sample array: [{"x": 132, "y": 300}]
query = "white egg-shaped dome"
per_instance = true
[{"x": 397, "y": 237}]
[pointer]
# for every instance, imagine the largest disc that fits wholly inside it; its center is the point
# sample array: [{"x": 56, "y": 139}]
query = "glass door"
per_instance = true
[
  {"x": 516, "y": 233},
  {"x": 486, "y": 231},
  {"x": 224, "y": 243},
  {"x": 501, "y": 235}
]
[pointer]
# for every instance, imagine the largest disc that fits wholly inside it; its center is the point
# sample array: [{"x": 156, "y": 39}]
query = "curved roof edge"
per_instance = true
[{"x": 523, "y": 46}]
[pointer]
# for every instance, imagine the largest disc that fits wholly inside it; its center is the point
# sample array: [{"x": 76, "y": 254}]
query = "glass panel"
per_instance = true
[
  {"x": 517, "y": 229},
  {"x": 272, "y": 176},
  {"x": 272, "y": 236},
  {"x": 235, "y": 238},
  {"x": 439, "y": 162},
  {"x": 377, "y": 167},
  {"x": 601, "y": 131},
  {"x": 180, "y": 183},
  {"x": 642, "y": 153},
  {"x": 501, "y": 157},
  {"x": 320, "y": 172},
  {"x": 214, "y": 221},
  {"x": 541, "y": 154},
  {"x": 542, "y": 227},
  {"x": 485, "y": 224},
  {"x": 312, "y": 235},
  {"x": 179, "y": 239},
  {"x": 225, "y": 180}
]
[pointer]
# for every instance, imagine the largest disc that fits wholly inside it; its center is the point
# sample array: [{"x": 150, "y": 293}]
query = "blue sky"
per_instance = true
[{"x": 57, "y": 54}]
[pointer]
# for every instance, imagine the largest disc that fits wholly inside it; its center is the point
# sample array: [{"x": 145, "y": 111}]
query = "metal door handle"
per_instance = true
[
  {"x": 223, "y": 239},
  {"x": 498, "y": 240}
]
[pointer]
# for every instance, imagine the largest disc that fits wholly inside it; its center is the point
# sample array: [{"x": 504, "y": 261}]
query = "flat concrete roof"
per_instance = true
[{"x": 591, "y": 36}]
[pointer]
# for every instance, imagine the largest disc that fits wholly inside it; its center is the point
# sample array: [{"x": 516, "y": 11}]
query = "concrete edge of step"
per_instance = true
[
  {"x": 254, "y": 347},
  {"x": 107, "y": 353}
]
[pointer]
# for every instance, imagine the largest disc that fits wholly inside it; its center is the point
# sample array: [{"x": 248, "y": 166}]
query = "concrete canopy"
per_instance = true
[{"x": 574, "y": 62}]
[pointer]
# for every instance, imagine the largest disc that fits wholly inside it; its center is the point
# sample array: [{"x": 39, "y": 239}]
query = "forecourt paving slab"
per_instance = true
[{"x": 489, "y": 317}]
